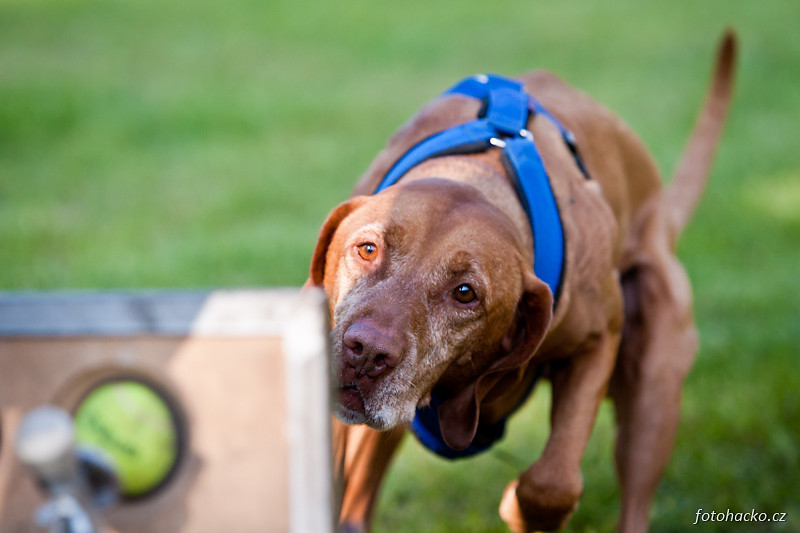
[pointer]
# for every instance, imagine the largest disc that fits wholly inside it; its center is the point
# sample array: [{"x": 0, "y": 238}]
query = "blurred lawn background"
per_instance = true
[{"x": 201, "y": 144}]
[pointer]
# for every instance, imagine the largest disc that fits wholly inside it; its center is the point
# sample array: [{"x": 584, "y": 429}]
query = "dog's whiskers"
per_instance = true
[{"x": 404, "y": 380}]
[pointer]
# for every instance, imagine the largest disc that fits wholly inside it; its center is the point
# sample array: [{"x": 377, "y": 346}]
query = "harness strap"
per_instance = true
[
  {"x": 467, "y": 138},
  {"x": 521, "y": 159},
  {"x": 427, "y": 430},
  {"x": 502, "y": 122},
  {"x": 480, "y": 86}
]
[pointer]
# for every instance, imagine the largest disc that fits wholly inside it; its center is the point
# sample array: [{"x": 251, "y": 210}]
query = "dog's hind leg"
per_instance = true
[
  {"x": 362, "y": 456},
  {"x": 658, "y": 347}
]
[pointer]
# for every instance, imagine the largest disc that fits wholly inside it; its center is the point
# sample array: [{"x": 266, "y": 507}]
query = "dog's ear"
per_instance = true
[
  {"x": 459, "y": 413},
  {"x": 318, "y": 259}
]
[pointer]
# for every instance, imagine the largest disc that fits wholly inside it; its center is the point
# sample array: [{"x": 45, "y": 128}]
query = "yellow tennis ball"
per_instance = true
[{"x": 133, "y": 426}]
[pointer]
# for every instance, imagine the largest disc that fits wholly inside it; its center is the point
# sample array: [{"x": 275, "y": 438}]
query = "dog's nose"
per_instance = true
[{"x": 370, "y": 351}]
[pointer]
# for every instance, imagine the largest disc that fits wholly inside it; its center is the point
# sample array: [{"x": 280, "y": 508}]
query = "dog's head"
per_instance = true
[{"x": 428, "y": 290}]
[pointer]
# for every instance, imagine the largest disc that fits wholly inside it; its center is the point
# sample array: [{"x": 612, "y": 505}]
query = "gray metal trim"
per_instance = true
[
  {"x": 107, "y": 313},
  {"x": 224, "y": 313}
]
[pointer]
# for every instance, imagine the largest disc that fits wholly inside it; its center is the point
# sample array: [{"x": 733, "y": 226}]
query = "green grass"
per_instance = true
[{"x": 200, "y": 144}]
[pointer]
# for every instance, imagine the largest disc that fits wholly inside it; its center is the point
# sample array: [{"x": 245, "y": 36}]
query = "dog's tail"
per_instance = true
[{"x": 690, "y": 178}]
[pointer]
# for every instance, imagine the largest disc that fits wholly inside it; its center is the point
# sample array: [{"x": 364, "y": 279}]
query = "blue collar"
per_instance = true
[{"x": 503, "y": 123}]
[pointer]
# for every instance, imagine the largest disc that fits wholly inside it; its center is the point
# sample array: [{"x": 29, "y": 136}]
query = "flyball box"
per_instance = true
[{"x": 245, "y": 376}]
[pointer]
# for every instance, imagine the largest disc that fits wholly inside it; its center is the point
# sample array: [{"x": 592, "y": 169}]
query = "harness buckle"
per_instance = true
[{"x": 500, "y": 143}]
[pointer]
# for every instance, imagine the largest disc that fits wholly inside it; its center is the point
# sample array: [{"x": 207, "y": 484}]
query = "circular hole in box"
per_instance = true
[{"x": 138, "y": 426}]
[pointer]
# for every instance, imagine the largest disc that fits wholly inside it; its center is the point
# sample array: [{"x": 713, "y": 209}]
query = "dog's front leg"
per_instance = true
[
  {"x": 362, "y": 456},
  {"x": 545, "y": 495}
]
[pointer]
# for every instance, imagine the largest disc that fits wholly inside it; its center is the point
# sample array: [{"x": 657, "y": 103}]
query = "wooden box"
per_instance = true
[{"x": 246, "y": 372}]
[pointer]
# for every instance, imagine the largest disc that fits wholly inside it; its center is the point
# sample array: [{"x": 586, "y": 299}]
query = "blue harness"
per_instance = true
[{"x": 503, "y": 123}]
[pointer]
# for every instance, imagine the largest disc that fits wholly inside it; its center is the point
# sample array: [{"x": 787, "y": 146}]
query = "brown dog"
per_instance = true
[{"x": 432, "y": 292}]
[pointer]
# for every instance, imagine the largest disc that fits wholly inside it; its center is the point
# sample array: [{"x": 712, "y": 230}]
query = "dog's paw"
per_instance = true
[
  {"x": 347, "y": 527},
  {"x": 510, "y": 511},
  {"x": 547, "y": 496}
]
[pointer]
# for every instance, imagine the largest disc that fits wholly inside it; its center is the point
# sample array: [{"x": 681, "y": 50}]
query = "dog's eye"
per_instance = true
[
  {"x": 464, "y": 294},
  {"x": 367, "y": 251}
]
